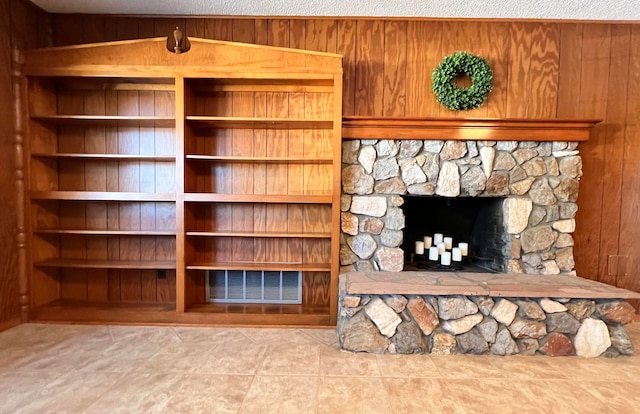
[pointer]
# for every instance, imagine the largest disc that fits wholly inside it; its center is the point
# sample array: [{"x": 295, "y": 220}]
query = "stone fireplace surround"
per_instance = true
[{"x": 538, "y": 179}]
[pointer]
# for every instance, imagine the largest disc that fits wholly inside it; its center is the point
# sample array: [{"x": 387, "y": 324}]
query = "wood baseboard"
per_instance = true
[{"x": 9, "y": 324}]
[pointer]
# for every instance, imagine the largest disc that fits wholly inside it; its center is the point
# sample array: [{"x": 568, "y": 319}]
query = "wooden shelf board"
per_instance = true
[
  {"x": 107, "y": 120},
  {"x": 164, "y": 314},
  {"x": 305, "y": 267},
  {"x": 108, "y": 232},
  {"x": 222, "y": 158},
  {"x": 101, "y": 196},
  {"x": 259, "y": 234},
  {"x": 251, "y": 122},
  {"x": 105, "y": 156},
  {"x": 106, "y": 264},
  {"x": 205, "y": 87},
  {"x": 256, "y": 198},
  {"x": 364, "y": 127}
]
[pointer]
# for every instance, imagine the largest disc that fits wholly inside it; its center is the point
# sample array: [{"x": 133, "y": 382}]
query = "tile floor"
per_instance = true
[{"x": 124, "y": 369}]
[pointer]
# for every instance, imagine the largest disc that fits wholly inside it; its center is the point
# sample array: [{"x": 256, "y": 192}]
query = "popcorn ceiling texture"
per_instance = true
[{"x": 537, "y": 9}]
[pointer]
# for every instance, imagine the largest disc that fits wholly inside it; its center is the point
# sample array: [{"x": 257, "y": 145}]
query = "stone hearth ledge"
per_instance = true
[{"x": 515, "y": 285}]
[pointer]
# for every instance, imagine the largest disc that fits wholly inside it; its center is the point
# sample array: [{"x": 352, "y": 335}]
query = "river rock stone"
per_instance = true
[
  {"x": 391, "y": 238},
  {"x": 497, "y": 184},
  {"x": 455, "y": 307},
  {"x": 385, "y": 168},
  {"x": 434, "y": 146},
  {"x": 409, "y": 340},
  {"x": 530, "y": 310},
  {"x": 390, "y": 259},
  {"x": 359, "y": 334},
  {"x": 564, "y": 240},
  {"x": 473, "y": 182},
  {"x": 537, "y": 239},
  {"x": 504, "y": 344},
  {"x": 581, "y": 308},
  {"x": 396, "y": 302},
  {"x": 508, "y": 146},
  {"x": 356, "y": 181},
  {"x": 517, "y": 174},
  {"x": 422, "y": 189},
  {"x": 550, "y": 267},
  {"x": 522, "y": 187},
  {"x": 527, "y": 346},
  {"x": 345, "y": 202},
  {"x": 522, "y": 328},
  {"x": 564, "y": 226},
  {"x": 472, "y": 149},
  {"x": 375, "y": 206},
  {"x": 556, "y": 344},
  {"x": 394, "y": 219},
  {"x": 410, "y": 148},
  {"x": 362, "y": 245},
  {"x": 514, "y": 266},
  {"x": 462, "y": 325},
  {"x": 387, "y": 148},
  {"x": 351, "y": 301},
  {"x": 424, "y": 314},
  {"x": 350, "y": 150},
  {"x": 411, "y": 172},
  {"x": 535, "y": 167},
  {"x": 551, "y": 306},
  {"x": 568, "y": 210},
  {"x": 571, "y": 166},
  {"x": 484, "y": 303},
  {"x": 516, "y": 214},
  {"x": 524, "y": 154},
  {"x": 449, "y": 180},
  {"x": 349, "y": 223},
  {"x": 620, "y": 339},
  {"x": 453, "y": 150},
  {"x": 615, "y": 312},
  {"x": 611, "y": 352},
  {"x": 541, "y": 193},
  {"x": 503, "y": 162},
  {"x": 564, "y": 259},
  {"x": 444, "y": 344},
  {"x": 382, "y": 316},
  {"x": 347, "y": 256},
  {"x": 367, "y": 157},
  {"x": 365, "y": 266},
  {"x": 472, "y": 343},
  {"x": 488, "y": 329},
  {"x": 372, "y": 225},
  {"x": 567, "y": 190},
  {"x": 562, "y": 322},
  {"x": 504, "y": 311},
  {"x": 592, "y": 338},
  {"x": 391, "y": 186},
  {"x": 537, "y": 215},
  {"x": 487, "y": 156}
]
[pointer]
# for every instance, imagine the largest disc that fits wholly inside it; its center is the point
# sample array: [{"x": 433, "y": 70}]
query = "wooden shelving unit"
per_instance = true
[{"x": 146, "y": 170}]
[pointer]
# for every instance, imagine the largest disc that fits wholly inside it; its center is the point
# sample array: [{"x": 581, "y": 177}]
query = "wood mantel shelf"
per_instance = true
[{"x": 485, "y": 129}]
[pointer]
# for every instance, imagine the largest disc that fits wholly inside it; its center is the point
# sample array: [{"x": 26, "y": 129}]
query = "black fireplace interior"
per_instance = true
[{"x": 476, "y": 220}]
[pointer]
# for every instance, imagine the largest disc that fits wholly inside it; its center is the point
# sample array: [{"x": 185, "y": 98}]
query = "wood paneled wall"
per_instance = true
[
  {"x": 541, "y": 70},
  {"x": 17, "y": 20}
]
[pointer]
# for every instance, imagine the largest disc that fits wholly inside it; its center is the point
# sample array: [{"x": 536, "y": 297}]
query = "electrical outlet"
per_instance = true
[{"x": 161, "y": 274}]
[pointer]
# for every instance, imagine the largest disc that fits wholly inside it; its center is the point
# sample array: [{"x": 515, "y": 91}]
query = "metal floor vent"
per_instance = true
[{"x": 254, "y": 286}]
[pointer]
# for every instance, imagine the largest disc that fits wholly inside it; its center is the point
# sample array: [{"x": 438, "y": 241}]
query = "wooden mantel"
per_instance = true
[{"x": 485, "y": 129}]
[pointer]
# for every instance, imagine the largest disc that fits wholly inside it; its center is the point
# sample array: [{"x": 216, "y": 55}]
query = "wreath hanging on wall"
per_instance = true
[{"x": 462, "y": 64}]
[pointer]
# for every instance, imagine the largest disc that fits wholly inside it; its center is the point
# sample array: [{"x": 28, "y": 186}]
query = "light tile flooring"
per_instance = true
[{"x": 124, "y": 369}]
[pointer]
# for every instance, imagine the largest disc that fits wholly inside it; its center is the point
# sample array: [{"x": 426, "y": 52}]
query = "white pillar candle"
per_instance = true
[
  {"x": 445, "y": 259},
  {"x": 441, "y": 248},
  {"x": 433, "y": 253},
  {"x": 464, "y": 248},
  {"x": 448, "y": 242},
  {"x": 456, "y": 254},
  {"x": 427, "y": 241},
  {"x": 437, "y": 238},
  {"x": 419, "y": 247}
]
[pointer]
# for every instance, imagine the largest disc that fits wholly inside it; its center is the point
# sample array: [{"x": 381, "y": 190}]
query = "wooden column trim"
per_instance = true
[
  {"x": 18, "y": 142},
  {"x": 364, "y": 127}
]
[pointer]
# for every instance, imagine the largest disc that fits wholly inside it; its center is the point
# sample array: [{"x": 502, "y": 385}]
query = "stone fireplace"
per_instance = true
[{"x": 536, "y": 183}]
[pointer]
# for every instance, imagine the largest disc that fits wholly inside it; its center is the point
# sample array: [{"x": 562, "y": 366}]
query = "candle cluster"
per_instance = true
[{"x": 441, "y": 247}]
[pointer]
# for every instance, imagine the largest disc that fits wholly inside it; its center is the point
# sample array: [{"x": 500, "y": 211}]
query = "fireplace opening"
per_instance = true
[{"x": 476, "y": 221}]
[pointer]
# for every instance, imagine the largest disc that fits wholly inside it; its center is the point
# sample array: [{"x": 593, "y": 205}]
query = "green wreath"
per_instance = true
[{"x": 457, "y": 64}]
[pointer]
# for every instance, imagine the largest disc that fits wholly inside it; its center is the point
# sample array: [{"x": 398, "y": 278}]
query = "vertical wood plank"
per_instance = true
[
  {"x": 519, "y": 63},
  {"x": 569, "y": 70},
  {"x": 369, "y": 67},
  {"x": 543, "y": 71},
  {"x": 347, "y": 32},
  {"x": 394, "y": 90},
  {"x": 424, "y": 52}
]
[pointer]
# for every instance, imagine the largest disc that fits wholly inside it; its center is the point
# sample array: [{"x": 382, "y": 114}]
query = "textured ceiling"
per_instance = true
[{"x": 536, "y": 9}]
